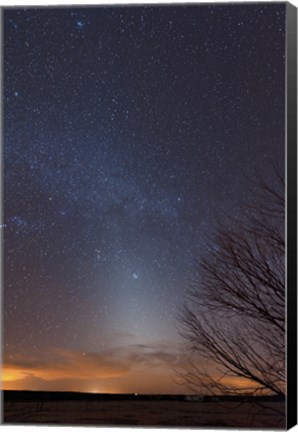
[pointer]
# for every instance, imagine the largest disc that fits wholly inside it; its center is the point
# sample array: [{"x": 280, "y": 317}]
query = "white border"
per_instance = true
[{"x": 14, "y": 3}]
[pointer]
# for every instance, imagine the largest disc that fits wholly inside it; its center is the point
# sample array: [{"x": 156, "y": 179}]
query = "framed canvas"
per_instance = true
[{"x": 149, "y": 215}]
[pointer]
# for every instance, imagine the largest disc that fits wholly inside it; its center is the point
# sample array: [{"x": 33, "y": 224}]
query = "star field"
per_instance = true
[{"x": 127, "y": 132}]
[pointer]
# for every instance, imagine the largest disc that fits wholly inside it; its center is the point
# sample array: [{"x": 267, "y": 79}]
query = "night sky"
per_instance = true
[{"x": 128, "y": 131}]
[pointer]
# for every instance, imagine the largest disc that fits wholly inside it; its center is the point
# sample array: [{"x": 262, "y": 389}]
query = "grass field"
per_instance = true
[{"x": 138, "y": 412}]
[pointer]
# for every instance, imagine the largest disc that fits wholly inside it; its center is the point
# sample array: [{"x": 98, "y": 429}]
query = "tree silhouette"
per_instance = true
[{"x": 234, "y": 315}]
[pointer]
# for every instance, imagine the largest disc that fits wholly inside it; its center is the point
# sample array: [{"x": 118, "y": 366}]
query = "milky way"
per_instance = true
[{"x": 128, "y": 131}]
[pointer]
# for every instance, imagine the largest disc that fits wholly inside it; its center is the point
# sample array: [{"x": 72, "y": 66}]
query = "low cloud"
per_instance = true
[
  {"x": 69, "y": 364},
  {"x": 60, "y": 369}
]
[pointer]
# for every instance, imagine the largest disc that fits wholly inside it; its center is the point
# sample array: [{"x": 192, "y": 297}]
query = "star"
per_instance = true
[{"x": 80, "y": 25}]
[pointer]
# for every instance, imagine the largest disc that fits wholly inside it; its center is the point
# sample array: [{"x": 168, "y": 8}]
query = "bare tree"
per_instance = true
[{"x": 234, "y": 316}]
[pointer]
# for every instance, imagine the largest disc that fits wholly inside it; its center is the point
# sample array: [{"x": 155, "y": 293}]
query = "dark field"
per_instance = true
[{"x": 129, "y": 410}]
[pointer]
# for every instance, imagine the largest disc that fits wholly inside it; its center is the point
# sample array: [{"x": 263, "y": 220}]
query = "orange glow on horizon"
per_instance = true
[
  {"x": 135, "y": 381},
  {"x": 97, "y": 373},
  {"x": 9, "y": 374}
]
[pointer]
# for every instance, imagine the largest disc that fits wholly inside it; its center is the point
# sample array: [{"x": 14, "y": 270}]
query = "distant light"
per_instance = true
[{"x": 135, "y": 276}]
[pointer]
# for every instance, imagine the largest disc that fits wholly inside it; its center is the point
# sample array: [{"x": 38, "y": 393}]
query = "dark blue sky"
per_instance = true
[{"x": 127, "y": 132}]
